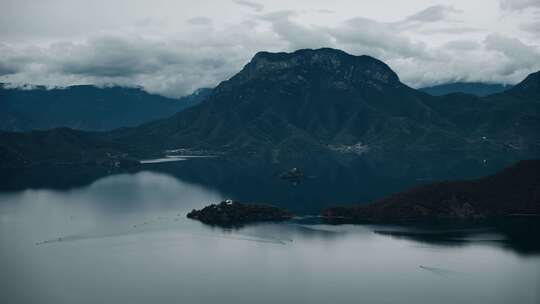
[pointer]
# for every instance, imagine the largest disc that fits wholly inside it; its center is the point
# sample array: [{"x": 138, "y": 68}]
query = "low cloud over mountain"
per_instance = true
[{"x": 177, "y": 53}]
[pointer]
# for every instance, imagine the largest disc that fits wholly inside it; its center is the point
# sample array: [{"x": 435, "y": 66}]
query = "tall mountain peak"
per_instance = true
[{"x": 324, "y": 64}]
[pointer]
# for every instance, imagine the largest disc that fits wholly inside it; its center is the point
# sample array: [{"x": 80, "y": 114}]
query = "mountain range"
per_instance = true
[
  {"x": 91, "y": 108},
  {"x": 294, "y": 107},
  {"x": 474, "y": 88},
  {"x": 86, "y": 107}
]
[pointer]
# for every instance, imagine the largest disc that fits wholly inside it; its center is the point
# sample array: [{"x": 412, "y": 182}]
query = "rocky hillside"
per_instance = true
[
  {"x": 514, "y": 191},
  {"x": 285, "y": 107}
]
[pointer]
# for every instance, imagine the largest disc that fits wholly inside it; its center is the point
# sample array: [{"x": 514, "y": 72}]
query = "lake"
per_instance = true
[{"x": 124, "y": 238}]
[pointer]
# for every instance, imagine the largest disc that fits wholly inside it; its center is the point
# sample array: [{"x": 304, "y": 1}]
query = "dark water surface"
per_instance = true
[{"x": 124, "y": 238}]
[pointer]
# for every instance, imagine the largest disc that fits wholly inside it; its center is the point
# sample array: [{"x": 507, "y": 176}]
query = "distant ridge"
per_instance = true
[
  {"x": 86, "y": 107},
  {"x": 474, "y": 88}
]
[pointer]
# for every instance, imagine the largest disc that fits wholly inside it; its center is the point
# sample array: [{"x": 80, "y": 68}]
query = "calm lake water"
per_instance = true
[{"x": 125, "y": 239}]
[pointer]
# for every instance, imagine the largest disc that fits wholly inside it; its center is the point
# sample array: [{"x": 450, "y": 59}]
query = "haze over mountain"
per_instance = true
[
  {"x": 291, "y": 107},
  {"x": 86, "y": 107},
  {"x": 474, "y": 88},
  {"x": 425, "y": 42}
]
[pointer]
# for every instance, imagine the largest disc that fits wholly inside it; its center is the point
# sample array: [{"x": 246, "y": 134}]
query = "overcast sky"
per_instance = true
[{"x": 174, "y": 47}]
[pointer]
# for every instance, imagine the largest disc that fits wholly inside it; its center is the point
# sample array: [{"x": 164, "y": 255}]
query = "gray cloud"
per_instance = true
[
  {"x": 436, "y": 19},
  {"x": 531, "y": 27},
  {"x": 13, "y": 61},
  {"x": 6, "y": 69},
  {"x": 297, "y": 36},
  {"x": 325, "y": 11},
  {"x": 168, "y": 67},
  {"x": 449, "y": 30},
  {"x": 200, "y": 21},
  {"x": 378, "y": 39},
  {"x": 462, "y": 45},
  {"x": 212, "y": 50},
  {"x": 113, "y": 57},
  {"x": 432, "y": 14},
  {"x": 517, "y": 55},
  {"x": 518, "y": 5},
  {"x": 250, "y": 4},
  {"x": 497, "y": 58}
]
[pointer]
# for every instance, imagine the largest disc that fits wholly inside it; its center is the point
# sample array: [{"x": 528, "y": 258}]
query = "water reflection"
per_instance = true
[
  {"x": 515, "y": 234},
  {"x": 325, "y": 181},
  {"x": 125, "y": 239}
]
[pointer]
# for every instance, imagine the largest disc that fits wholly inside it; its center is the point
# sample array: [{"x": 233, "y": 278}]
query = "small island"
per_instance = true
[{"x": 230, "y": 213}]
